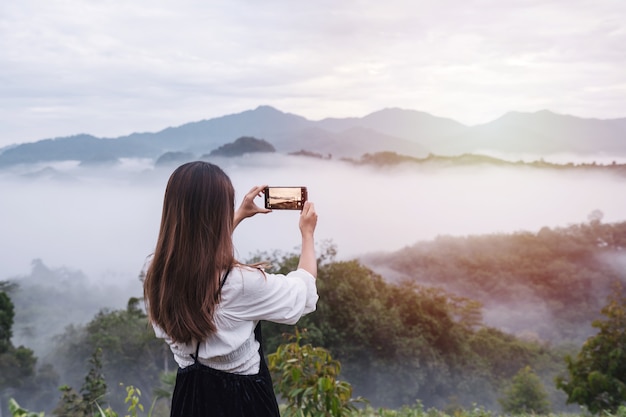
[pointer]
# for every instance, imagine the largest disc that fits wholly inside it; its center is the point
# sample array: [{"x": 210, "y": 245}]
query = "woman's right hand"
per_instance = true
[{"x": 308, "y": 219}]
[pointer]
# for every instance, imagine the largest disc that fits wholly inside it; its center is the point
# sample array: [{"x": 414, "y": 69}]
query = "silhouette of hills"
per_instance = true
[{"x": 408, "y": 132}]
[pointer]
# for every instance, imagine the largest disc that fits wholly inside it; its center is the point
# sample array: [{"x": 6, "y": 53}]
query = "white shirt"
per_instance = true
[{"x": 248, "y": 296}]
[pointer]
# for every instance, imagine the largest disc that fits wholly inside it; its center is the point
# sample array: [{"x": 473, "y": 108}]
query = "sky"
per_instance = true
[{"x": 113, "y": 67}]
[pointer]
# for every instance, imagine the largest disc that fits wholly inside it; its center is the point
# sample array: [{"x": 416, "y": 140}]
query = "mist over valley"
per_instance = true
[{"x": 104, "y": 221}]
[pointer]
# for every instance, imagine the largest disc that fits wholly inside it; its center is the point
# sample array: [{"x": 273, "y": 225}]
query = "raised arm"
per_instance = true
[{"x": 308, "y": 221}]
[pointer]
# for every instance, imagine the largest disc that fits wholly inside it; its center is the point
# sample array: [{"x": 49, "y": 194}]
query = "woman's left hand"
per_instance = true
[{"x": 248, "y": 207}]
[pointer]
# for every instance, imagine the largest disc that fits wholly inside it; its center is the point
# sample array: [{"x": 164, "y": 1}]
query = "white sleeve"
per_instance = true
[{"x": 273, "y": 297}]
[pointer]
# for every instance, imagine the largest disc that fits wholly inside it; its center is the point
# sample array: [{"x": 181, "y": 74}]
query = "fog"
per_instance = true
[{"x": 104, "y": 221}]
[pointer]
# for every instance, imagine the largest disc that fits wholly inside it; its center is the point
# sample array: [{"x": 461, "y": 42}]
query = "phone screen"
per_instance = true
[{"x": 285, "y": 198}]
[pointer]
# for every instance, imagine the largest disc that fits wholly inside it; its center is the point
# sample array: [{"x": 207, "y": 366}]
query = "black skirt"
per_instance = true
[{"x": 202, "y": 391}]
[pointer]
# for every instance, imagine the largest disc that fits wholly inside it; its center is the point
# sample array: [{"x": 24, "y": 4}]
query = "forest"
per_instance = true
[
  {"x": 408, "y": 326},
  {"x": 548, "y": 285}
]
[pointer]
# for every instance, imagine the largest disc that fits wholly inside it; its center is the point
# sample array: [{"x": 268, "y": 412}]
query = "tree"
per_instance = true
[
  {"x": 526, "y": 394},
  {"x": 6, "y": 322},
  {"x": 130, "y": 353},
  {"x": 597, "y": 376},
  {"x": 16, "y": 364},
  {"x": 91, "y": 396}
]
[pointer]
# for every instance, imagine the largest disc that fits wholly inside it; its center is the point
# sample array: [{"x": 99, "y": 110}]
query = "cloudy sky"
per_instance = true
[{"x": 113, "y": 67}]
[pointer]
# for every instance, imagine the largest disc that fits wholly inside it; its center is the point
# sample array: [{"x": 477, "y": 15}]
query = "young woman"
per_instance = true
[{"x": 206, "y": 305}]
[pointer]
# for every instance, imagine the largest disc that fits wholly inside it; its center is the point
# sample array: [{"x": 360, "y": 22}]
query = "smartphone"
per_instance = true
[{"x": 285, "y": 198}]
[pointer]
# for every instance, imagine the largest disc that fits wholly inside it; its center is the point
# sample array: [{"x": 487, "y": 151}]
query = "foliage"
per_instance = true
[
  {"x": 307, "y": 378},
  {"x": 526, "y": 394},
  {"x": 525, "y": 272},
  {"x": 95, "y": 387},
  {"x": 71, "y": 404},
  {"x": 419, "y": 322},
  {"x": 6, "y": 321},
  {"x": 432, "y": 341},
  {"x": 17, "y": 411},
  {"x": 132, "y": 399},
  {"x": 8, "y": 286},
  {"x": 418, "y": 410},
  {"x": 243, "y": 145},
  {"x": 621, "y": 412},
  {"x": 597, "y": 376},
  {"x": 17, "y": 365},
  {"x": 76, "y": 407},
  {"x": 87, "y": 402},
  {"x": 130, "y": 351}
]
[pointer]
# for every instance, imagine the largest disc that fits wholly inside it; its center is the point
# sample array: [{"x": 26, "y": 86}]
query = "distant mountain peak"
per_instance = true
[
  {"x": 268, "y": 114},
  {"x": 399, "y": 115},
  {"x": 268, "y": 111},
  {"x": 394, "y": 110},
  {"x": 267, "y": 108},
  {"x": 398, "y": 111}
]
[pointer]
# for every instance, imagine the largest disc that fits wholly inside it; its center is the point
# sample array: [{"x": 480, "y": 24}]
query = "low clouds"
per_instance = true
[
  {"x": 104, "y": 222},
  {"x": 113, "y": 68}
]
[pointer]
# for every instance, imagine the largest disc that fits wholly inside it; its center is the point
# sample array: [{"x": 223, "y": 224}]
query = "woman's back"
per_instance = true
[{"x": 248, "y": 296}]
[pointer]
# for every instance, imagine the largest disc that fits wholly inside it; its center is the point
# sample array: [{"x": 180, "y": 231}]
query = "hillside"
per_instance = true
[{"x": 548, "y": 285}]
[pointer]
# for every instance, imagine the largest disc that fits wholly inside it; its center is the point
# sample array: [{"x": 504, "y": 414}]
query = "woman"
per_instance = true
[{"x": 206, "y": 305}]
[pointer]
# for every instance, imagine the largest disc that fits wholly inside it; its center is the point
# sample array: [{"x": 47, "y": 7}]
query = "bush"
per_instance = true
[
  {"x": 526, "y": 394},
  {"x": 306, "y": 377}
]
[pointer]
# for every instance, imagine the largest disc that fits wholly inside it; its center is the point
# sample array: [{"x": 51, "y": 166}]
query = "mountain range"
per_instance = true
[{"x": 406, "y": 132}]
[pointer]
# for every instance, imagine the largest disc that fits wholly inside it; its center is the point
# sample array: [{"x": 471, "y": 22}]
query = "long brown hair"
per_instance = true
[{"x": 194, "y": 249}]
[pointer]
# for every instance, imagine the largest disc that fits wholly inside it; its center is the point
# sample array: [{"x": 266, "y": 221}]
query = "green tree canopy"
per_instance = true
[
  {"x": 597, "y": 376},
  {"x": 526, "y": 394},
  {"x": 17, "y": 365},
  {"x": 6, "y": 322},
  {"x": 431, "y": 341}
]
